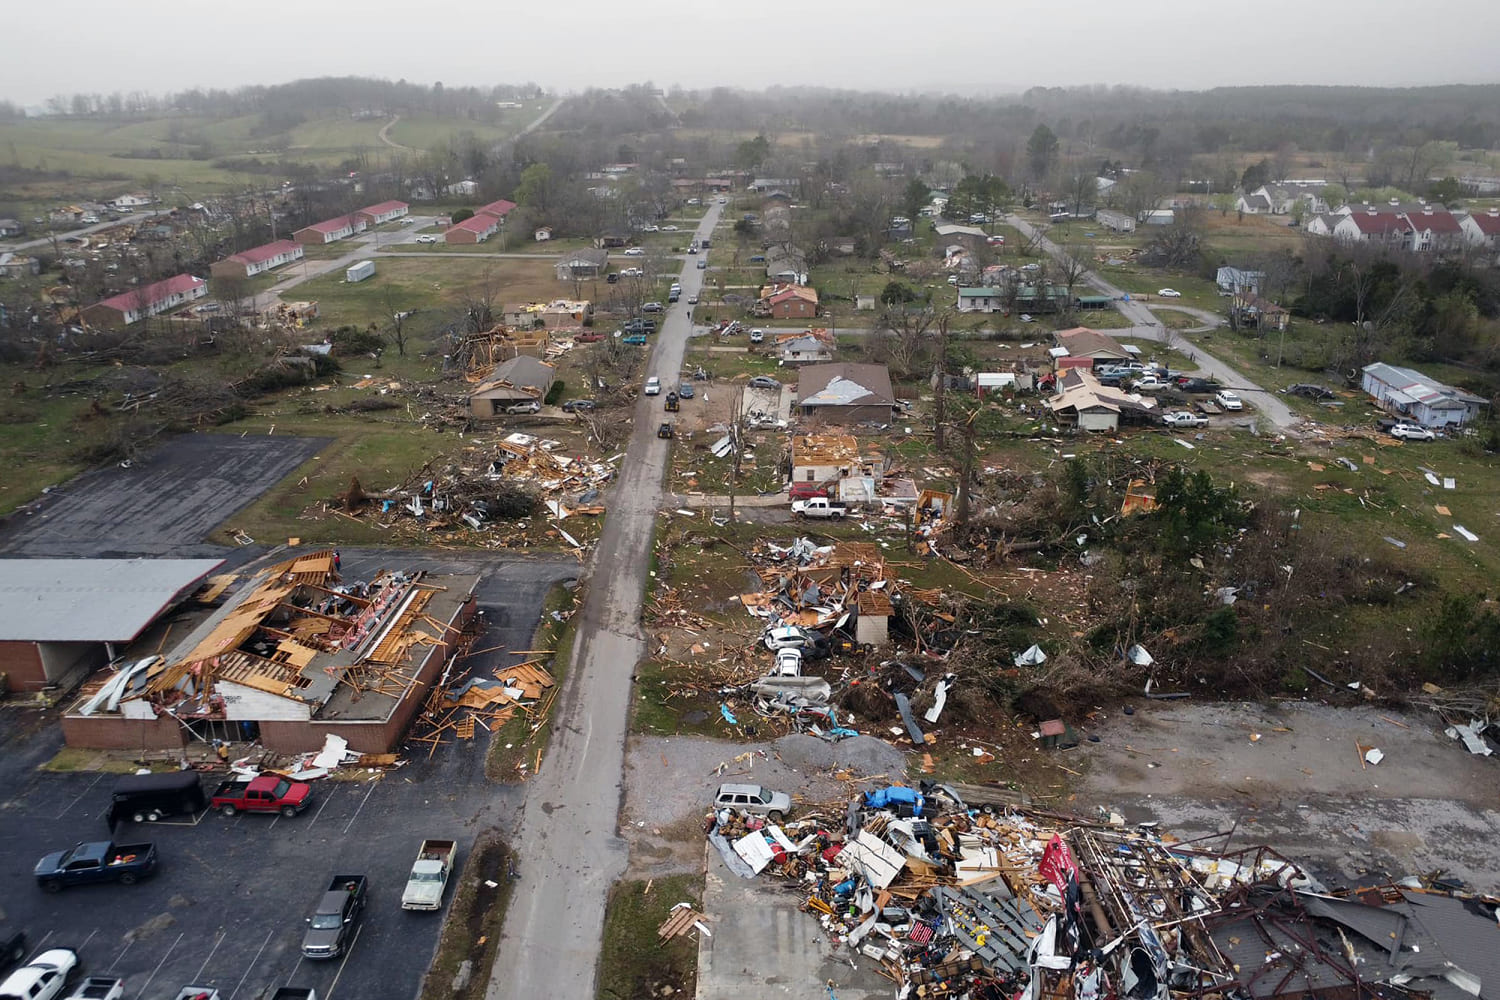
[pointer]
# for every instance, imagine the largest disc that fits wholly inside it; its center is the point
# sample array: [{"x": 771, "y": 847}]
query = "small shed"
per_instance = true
[
  {"x": 359, "y": 272},
  {"x": 872, "y": 627}
]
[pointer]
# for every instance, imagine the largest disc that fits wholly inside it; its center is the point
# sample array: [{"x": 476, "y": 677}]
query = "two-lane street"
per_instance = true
[{"x": 570, "y": 851}]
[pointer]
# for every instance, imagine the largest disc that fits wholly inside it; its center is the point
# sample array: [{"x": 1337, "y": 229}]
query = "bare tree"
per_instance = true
[{"x": 397, "y": 332}]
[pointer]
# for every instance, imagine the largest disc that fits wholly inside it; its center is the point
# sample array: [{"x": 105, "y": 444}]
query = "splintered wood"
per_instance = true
[{"x": 455, "y": 709}]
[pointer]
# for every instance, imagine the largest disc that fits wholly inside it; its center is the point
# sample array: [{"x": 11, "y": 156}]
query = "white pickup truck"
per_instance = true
[
  {"x": 820, "y": 507},
  {"x": 429, "y": 875}
]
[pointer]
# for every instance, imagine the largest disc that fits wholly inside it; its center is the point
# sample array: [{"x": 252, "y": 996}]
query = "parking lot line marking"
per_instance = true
[
  {"x": 252, "y": 964},
  {"x": 217, "y": 941},
  {"x": 326, "y": 799},
  {"x": 160, "y": 964},
  {"x": 350, "y": 951},
  {"x": 81, "y": 794},
  {"x": 41, "y": 945},
  {"x": 116, "y": 963},
  {"x": 86, "y": 940},
  {"x": 361, "y": 806}
]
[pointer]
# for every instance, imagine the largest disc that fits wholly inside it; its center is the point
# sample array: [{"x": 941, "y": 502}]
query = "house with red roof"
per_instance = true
[
  {"x": 1374, "y": 226},
  {"x": 331, "y": 230},
  {"x": 1434, "y": 229},
  {"x": 148, "y": 300},
  {"x": 256, "y": 260},
  {"x": 499, "y": 209},
  {"x": 386, "y": 211},
  {"x": 1482, "y": 229},
  {"x": 475, "y": 229}
]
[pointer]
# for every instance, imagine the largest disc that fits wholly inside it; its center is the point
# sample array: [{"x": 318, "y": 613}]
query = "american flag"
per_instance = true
[{"x": 921, "y": 932}]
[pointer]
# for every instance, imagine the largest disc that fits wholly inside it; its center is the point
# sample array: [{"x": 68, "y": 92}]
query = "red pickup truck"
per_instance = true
[{"x": 265, "y": 794}]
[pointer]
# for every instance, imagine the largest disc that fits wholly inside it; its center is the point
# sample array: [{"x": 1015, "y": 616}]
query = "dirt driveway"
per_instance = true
[{"x": 1292, "y": 775}]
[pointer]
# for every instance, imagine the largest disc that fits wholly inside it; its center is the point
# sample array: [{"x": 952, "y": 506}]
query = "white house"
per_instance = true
[
  {"x": 132, "y": 201},
  {"x": 1413, "y": 396},
  {"x": 1482, "y": 229},
  {"x": 257, "y": 260},
  {"x": 543, "y": 234},
  {"x": 983, "y": 300},
  {"x": 1236, "y": 281},
  {"x": 1322, "y": 224}
]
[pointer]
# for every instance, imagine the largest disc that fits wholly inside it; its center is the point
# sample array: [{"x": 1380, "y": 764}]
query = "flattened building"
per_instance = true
[{"x": 294, "y": 655}]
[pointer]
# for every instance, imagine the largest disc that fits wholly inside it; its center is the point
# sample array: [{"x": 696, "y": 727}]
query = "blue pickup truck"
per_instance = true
[{"x": 100, "y": 861}]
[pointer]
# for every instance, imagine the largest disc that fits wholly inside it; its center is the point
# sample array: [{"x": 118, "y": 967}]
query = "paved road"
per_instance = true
[
  {"x": 46, "y": 241},
  {"x": 568, "y": 843},
  {"x": 1148, "y": 327}
]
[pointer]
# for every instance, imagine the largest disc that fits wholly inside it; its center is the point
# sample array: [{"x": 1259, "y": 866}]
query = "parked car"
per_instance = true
[
  {"x": 702, "y": 264},
  {"x": 265, "y": 794},
  {"x": 653, "y": 386},
  {"x": 1201, "y": 385},
  {"x": 806, "y": 491},
  {"x": 12, "y": 949},
  {"x": 1412, "y": 432},
  {"x": 669, "y": 229},
  {"x": 693, "y": 251},
  {"x": 98, "y": 988},
  {"x": 611, "y": 278},
  {"x": 99, "y": 861},
  {"x": 1229, "y": 400},
  {"x": 579, "y": 405},
  {"x": 820, "y": 508},
  {"x": 429, "y": 875},
  {"x": 651, "y": 229},
  {"x": 651, "y": 307},
  {"x": 757, "y": 335},
  {"x": 1183, "y": 418},
  {"x": 1169, "y": 293},
  {"x": 635, "y": 252},
  {"x": 685, "y": 391},
  {"x": 426, "y": 238},
  {"x": 331, "y": 926},
  {"x": 692, "y": 300},
  {"x": 665, "y": 431},
  {"x": 588, "y": 338},
  {"x": 763, "y": 381},
  {"x": 634, "y": 339},
  {"x": 42, "y": 978},
  {"x": 774, "y": 806}
]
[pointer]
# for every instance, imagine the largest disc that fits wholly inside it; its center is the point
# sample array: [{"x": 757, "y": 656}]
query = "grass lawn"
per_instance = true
[
  {"x": 426, "y": 283},
  {"x": 473, "y": 923},
  {"x": 633, "y": 962},
  {"x": 516, "y": 747}
]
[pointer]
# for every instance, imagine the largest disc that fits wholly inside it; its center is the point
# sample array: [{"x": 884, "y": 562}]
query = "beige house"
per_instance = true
[{"x": 522, "y": 379}]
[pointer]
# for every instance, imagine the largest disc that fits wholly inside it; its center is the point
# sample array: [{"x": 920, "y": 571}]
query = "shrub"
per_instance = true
[{"x": 555, "y": 393}]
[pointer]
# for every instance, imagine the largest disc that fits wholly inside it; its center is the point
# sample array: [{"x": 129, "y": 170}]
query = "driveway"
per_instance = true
[
  {"x": 1147, "y": 327},
  {"x": 165, "y": 504},
  {"x": 226, "y": 907},
  {"x": 569, "y": 844}
]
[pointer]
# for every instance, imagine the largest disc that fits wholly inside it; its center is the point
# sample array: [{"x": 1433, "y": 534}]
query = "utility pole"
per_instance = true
[{"x": 736, "y": 444}]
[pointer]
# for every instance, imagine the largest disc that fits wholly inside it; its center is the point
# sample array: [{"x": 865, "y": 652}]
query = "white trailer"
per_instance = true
[{"x": 359, "y": 272}]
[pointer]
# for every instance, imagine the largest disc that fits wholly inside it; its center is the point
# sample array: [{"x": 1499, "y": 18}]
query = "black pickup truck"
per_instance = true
[{"x": 100, "y": 861}]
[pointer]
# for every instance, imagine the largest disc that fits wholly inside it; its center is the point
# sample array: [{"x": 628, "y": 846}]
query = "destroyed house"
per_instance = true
[
  {"x": 519, "y": 380},
  {"x": 827, "y": 458},
  {"x": 292, "y": 656},
  {"x": 62, "y": 619},
  {"x": 846, "y": 393}
]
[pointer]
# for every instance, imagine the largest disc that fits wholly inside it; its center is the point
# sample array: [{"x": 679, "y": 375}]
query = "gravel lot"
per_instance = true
[
  {"x": 1302, "y": 788},
  {"x": 670, "y": 781}
]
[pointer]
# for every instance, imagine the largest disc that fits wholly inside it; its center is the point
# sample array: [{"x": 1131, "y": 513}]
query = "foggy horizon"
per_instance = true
[{"x": 172, "y": 46}]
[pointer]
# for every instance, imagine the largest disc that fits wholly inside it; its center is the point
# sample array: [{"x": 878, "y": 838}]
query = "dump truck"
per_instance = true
[
  {"x": 99, "y": 861},
  {"x": 265, "y": 794},
  {"x": 429, "y": 875},
  {"x": 334, "y": 918}
]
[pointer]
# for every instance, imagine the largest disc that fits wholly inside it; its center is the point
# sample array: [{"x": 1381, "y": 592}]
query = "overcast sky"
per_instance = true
[{"x": 165, "y": 45}]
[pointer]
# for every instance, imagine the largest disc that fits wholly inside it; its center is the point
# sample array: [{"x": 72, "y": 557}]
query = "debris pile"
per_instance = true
[
  {"x": 962, "y": 899},
  {"x": 489, "y": 485},
  {"x": 487, "y": 702}
]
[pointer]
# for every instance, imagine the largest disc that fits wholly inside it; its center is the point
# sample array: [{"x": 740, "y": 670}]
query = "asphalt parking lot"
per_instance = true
[
  {"x": 165, "y": 504},
  {"x": 226, "y": 907}
]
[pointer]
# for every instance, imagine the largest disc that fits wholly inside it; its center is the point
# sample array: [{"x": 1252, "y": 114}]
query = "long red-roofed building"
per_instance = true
[
  {"x": 256, "y": 260},
  {"x": 386, "y": 211},
  {"x": 331, "y": 230},
  {"x": 148, "y": 300},
  {"x": 499, "y": 209}
]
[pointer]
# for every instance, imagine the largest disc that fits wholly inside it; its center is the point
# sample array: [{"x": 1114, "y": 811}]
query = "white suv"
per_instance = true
[
  {"x": 1412, "y": 432},
  {"x": 653, "y": 386},
  {"x": 754, "y": 799}
]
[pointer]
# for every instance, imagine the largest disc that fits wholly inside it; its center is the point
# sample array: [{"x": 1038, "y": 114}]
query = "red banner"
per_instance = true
[{"x": 1057, "y": 865}]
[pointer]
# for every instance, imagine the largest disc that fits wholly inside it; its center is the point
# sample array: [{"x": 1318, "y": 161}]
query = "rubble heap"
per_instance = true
[{"x": 960, "y": 899}]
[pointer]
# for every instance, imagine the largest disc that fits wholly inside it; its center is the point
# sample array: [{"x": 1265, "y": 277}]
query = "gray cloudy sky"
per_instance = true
[{"x": 1001, "y": 45}]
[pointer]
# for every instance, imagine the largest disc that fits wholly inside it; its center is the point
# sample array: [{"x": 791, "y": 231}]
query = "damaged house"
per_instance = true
[
  {"x": 294, "y": 655},
  {"x": 846, "y": 393},
  {"x": 522, "y": 379},
  {"x": 1084, "y": 403}
]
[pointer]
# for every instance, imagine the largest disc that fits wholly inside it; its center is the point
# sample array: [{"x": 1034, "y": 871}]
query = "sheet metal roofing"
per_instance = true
[{"x": 90, "y": 600}]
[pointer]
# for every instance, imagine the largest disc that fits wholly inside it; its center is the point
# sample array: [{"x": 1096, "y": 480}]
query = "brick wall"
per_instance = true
[
  {"x": 115, "y": 733},
  {"x": 21, "y": 662}
]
